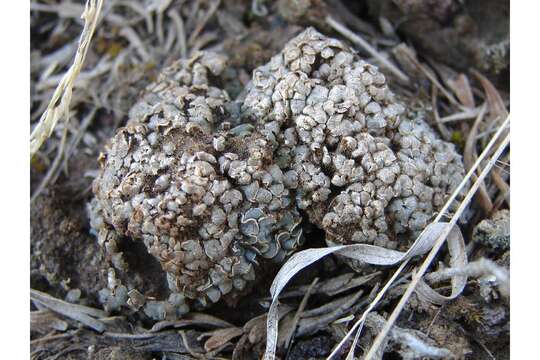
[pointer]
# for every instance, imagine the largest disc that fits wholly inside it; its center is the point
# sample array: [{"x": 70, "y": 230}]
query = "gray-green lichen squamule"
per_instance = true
[{"x": 213, "y": 187}]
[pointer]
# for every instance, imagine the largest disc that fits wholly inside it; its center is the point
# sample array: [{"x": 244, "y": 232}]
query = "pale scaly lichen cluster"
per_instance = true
[
  {"x": 205, "y": 201},
  {"x": 494, "y": 232},
  {"x": 212, "y": 187},
  {"x": 368, "y": 171}
]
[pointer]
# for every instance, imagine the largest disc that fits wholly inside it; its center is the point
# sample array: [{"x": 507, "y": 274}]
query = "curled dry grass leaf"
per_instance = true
[{"x": 370, "y": 254}]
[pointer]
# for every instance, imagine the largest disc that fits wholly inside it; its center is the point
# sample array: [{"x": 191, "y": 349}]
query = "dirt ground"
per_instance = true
[{"x": 448, "y": 38}]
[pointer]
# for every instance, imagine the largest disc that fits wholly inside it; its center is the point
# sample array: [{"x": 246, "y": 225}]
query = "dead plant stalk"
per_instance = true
[{"x": 59, "y": 104}]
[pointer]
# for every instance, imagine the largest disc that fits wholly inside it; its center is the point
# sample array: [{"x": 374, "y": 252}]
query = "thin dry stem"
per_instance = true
[
  {"x": 299, "y": 312},
  {"x": 343, "y": 30},
  {"x": 470, "y": 155},
  {"x": 59, "y": 104}
]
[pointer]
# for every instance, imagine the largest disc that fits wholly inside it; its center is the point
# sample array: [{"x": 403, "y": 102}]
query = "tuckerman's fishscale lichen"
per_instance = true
[
  {"x": 320, "y": 133},
  {"x": 367, "y": 171}
]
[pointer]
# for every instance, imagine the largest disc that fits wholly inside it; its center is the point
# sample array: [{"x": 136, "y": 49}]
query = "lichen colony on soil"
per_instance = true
[{"x": 214, "y": 187}]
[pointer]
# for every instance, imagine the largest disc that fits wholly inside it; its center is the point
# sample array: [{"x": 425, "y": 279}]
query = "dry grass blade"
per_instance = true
[
  {"x": 331, "y": 306},
  {"x": 53, "y": 168},
  {"x": 181, "y": 36},
  {"x": 503, "y": 187},
  {"x": 365, "y": 253},
  {"x": 47, "y": 338},
  {"x": 136, "y": 42},
  {"x": 65, "y": 10},
  {"x": 461, "y": 87},
  {"x": 367, "y": 47},
  {"x": 43, "y": 321},
  {"x": 298, "y": 314},
  {"x": 59, "y": 104},
  {"x": 221, "y": 337},
  {"x": 463, "y": 115},
  {"x": 319, "y": 318},
  {"x": 497, "y": 110},
  {"x": 478, "y": 268},
  {"x": 200, "y": 26},
  {"x": 458, "y": 259},
  {"x": 456, "y": 246},
  {"x": 469, "y": 157},
  {"x": 431, "y": 76},
  {"x": 192, "y": 319},
  {"x": 333, "y": 286},
  {"x": 358, "y": 325},
  {"x": 445, "y": 133},
  {"x": 496, "y": 104},
  {"x": 417, "y": 277},
  {"x": 83, "y": 314}
]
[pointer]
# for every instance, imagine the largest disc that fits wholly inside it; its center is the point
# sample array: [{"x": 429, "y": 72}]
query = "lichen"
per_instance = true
[
  {"x": 368, "y": 170},
  {"x": 494, "y": 232},
  {"x": 206, "y": 202},
  {"x": 213, "y": 187}
]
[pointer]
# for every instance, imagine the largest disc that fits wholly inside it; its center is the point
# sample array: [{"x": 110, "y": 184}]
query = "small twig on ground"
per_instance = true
[
  {"x": 135, "y": 41},
  {"x": 434, "y": 319},
  {"x": 478, "y": 268},
  {"x": 43, "y": 321},
  {"x": 65, "y": 9},
  {"x": 413, "y": 342},
  {"x": 484, "y": 347},
  {"x": 360, "y": 322},
  {"x": 497, "y": 108},
  {"x": 332, "y": 286},
  {"x": 54, "y": 337},
  {"x": 188, "y": 347},
  {"x": 338, "y": 8},
  {"x": 463, "y": 115},
  {"x": 78, "y": 136},
  {"x": 332, "y": 313},
  {"x": 462, "y": 88}
]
